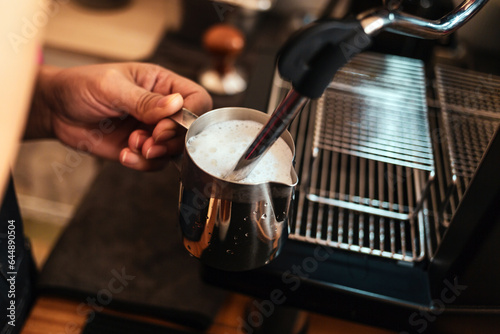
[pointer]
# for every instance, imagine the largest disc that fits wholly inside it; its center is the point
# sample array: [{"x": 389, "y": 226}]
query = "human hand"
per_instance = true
[{"x": 116, "y": 111}]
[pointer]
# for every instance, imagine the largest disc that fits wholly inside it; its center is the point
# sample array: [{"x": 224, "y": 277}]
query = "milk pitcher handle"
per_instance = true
[{"x": 184, "y": 118}]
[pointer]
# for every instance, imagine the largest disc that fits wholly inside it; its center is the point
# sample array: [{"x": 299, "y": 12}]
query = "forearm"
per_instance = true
[{"x": 39, "y": 123}]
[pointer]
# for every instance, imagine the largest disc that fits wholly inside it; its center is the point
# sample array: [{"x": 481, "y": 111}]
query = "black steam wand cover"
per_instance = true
[{"x": 311, "y": 57}]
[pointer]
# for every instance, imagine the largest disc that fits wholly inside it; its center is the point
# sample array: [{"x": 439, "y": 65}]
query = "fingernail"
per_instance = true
[
  {"x": 136, "y": 145},
  {"x": 166, "y": 100},
  {"x": 130, "y": 158},
  {"x": 165, "y": 135},
  {"x": 139, "y": 140},
  {"x": 155, "y": 151}
]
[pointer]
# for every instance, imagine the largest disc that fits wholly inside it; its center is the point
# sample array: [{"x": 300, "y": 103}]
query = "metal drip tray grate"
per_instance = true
[
  {"x": 364, "y": 158},
  {"x": 467, "y": 136},
  {"x": 376, "y": 108},
  {"x": 369, "y": 186},
  {"x": 468, "y": 91},
  {"x": 387, "y": 129},
  {"x": 470, "y": 105},
  {"x": 377, "y": 116},
  {"x": 388, "y": 231},
  {"x": 470, "y": 112}
]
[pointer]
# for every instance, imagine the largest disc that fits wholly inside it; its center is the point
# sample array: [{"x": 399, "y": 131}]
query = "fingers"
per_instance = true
[
  {"x": 143, "y": 104},
  {"x": 172, "y": 147},
  {"x": 149, "y": 93},
  {"x": 137, "y": 139},
  {"x": 152, "y": 107},
  {"x": 136, "y": 161},
  {"x": 146, "y": 153},
  {"x": 154, "y": 93},
  {"x": 196, "y": 98},
  {"x": 166, "y": 129},
  {"x": 152, "y": 150}
]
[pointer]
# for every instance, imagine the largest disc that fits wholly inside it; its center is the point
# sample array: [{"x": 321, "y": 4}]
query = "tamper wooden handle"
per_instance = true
[{"x": 224, "y": 42}]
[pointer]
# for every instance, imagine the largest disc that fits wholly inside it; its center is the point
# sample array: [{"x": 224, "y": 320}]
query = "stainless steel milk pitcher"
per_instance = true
[{"x": 230, "y": 225}]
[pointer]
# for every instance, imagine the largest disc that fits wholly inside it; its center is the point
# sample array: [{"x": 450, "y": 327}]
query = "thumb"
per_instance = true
[{"x": 150, "y": 108}]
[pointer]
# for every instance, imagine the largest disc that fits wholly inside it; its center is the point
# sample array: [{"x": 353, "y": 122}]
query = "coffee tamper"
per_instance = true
[{"x": 224, "y": 43}]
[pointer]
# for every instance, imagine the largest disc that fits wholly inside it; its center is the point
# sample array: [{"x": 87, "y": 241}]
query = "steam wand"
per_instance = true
[
  {"x": 309, "y": 60},
  {"x": 311, "y": 57},
  {"x": 284, "y": 114}
]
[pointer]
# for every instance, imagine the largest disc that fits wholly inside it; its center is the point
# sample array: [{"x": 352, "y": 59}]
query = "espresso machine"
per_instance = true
[{"x": 396, "y": 218}]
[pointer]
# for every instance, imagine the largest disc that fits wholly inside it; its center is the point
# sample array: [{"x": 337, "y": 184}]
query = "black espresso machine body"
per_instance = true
[
  {"x": 453, "y": 291},
  {"x": 397, "y": 217}
]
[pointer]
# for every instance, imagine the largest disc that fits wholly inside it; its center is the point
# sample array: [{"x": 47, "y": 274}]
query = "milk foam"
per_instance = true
[{"x": 219, "y": 146}]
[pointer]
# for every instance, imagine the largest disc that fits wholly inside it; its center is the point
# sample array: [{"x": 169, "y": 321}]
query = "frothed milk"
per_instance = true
[{"x": 218, "y": 147}]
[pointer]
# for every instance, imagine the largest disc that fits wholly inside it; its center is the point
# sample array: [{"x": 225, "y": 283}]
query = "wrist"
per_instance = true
[{"x": 43, "y": 105}]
